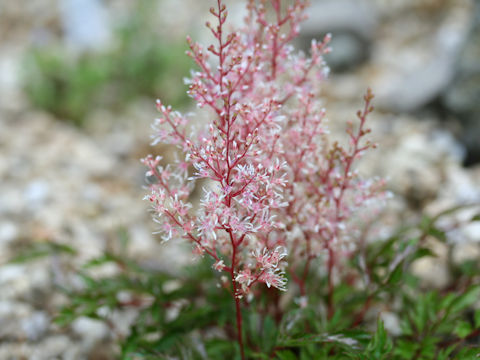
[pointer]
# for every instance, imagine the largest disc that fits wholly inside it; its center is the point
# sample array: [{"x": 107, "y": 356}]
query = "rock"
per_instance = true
[
  {"x": 460, "y": 99},
  {"x": 391, "y": 323},
  {"x": 8, "y": 232},
  {"x": 11, "y": 313},
  {"x": 466, "y": 251},
  {"x": 86, "y": 24},
  {"x": 36, "y": 325},
  {"x": 352, "y": 24},
  {"x": 348, "y": 51},
  {"x": 411, "y": 91},
  {"x": 347, "y": 15},
  {"x": 141, "y": 241},
  {"x": 123, "y": 320},
  {"x": 414, "y": 57},
  {"x": 10, "y": 83},
  {"x": 90, "y": 330},
  {"x": 19, "y": 281},
  {"x": 13, "y": 281},
  {"x": 416, "y": 168},
  {"x": 433, "y": 272},
  {"x": 53, "y": 347},
  {"x": 36, "y": 194}
]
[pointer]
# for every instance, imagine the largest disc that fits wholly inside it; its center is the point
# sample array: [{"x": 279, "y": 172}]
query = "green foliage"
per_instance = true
[
  {"x": 41, "y": 249},
  {"x": 141, "y": 64},
  {"x": 190, "y": 314}
]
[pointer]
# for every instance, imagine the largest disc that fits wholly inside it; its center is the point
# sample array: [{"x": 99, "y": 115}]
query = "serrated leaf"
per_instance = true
[
  {"x": 437, "y": 233},
  {"x": 396, "y": 275},
  {"x": 463, "y": 329},
  {"x": 447, "y": 300},
  {"x": 423, "y": 252},
  {"x": 406, "y": 349},
  {"x": 465, "y": 300},
  {"x": 467, "y": 353},
  {"x": 444, "y": 354},
  {"x": 477, "y": 318},
  {"x": 380, "y": 345}
]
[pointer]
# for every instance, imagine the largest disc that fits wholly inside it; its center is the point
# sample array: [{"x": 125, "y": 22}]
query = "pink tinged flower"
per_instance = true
[
  {"x": 278, "y": 254},
  {"x": 168, "y": 231},
  {"x": 219, "y": 265},
  {"x": 188, "y": 227},
  {"x": 262, "y": 168},
  {"x": 207, "y": 225},
  {"x": 161, "y": 136},
  {"x": 244, "y": 277},
  {"x": 180, "y": 207},
  {"x": 198, "y": 250},
  {"x": 165, "y": 174},
  {"x": 274, "y": 278},
  {"x": 268, "y": 260}
]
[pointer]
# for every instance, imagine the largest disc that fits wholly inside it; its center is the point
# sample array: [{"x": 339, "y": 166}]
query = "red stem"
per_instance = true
[
  {"x": 238, "y": 310},
  {"x": 331, "y": 265},
  {"x": 355, "y": 151}
]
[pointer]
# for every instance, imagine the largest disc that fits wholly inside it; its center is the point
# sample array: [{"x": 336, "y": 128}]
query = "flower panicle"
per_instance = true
[{"x": 264, "y": 158}]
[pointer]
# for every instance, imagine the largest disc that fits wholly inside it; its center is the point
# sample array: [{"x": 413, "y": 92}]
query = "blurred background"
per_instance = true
[{"x": 78, "y": 82}]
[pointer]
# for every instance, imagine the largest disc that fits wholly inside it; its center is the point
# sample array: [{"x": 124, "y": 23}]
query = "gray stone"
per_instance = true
[
  {"x": 86, "y": 24},
  {"x": 352, "y": 24},
  {"x": 461, "y": 98},
  {"x": 355, "y": 16},
  {"x": 37, "y": 193},
  {"x": 90, "y": 330},
  {"x": 433, "y": 272},
  {"x": 36, "y": 325},
  {"x": 8, "y": 232},
  {"x": 11, "y": 315},
  {"x": 415, "y": 54}
]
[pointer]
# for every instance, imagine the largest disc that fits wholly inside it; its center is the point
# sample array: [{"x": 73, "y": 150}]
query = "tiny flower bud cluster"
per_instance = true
[{"x": 274, "y": 186}]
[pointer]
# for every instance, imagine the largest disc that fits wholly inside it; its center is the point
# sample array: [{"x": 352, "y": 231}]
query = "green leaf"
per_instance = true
[
  {"x": 42, "y": 249},
  {"x": 463, "y": 329},
  {"x": 261, "y": 356},
  {"x": 423, "y": 252},
  {"x": 477, "y": 318},
  {"x": 380, "y": 345},
  {"x": 396, "y": 275},
  {"x": 444, "y": 354},
  {"x": 437, "y": 233},
  {"x": 221, "y": 349},
  {"x": 467, "y": 353},
  {"x": 469, "y": 268},
  {"x": 406, "y": 349},
  {"x": 465, "y": 300},
  {"x": 270, "y": 332},
  {"x": 286, "y": 355}
]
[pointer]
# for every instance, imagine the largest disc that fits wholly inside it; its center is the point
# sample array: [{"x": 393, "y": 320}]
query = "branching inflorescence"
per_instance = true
[{"x": 276, "y": 189}]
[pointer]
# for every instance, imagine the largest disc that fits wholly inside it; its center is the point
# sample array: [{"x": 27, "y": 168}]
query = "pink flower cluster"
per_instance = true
[{"x": 273, "y": 186}]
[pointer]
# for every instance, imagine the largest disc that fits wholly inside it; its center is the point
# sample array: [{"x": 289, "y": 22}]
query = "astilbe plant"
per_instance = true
[{"x": 277, "y": 191}]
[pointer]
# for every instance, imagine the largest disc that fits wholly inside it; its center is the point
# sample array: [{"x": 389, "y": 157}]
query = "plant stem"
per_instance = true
[
  {"x": 239, "y": 326},
  {"x": 331, "y": 265},
  {"x": 238, "y": 310}
]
